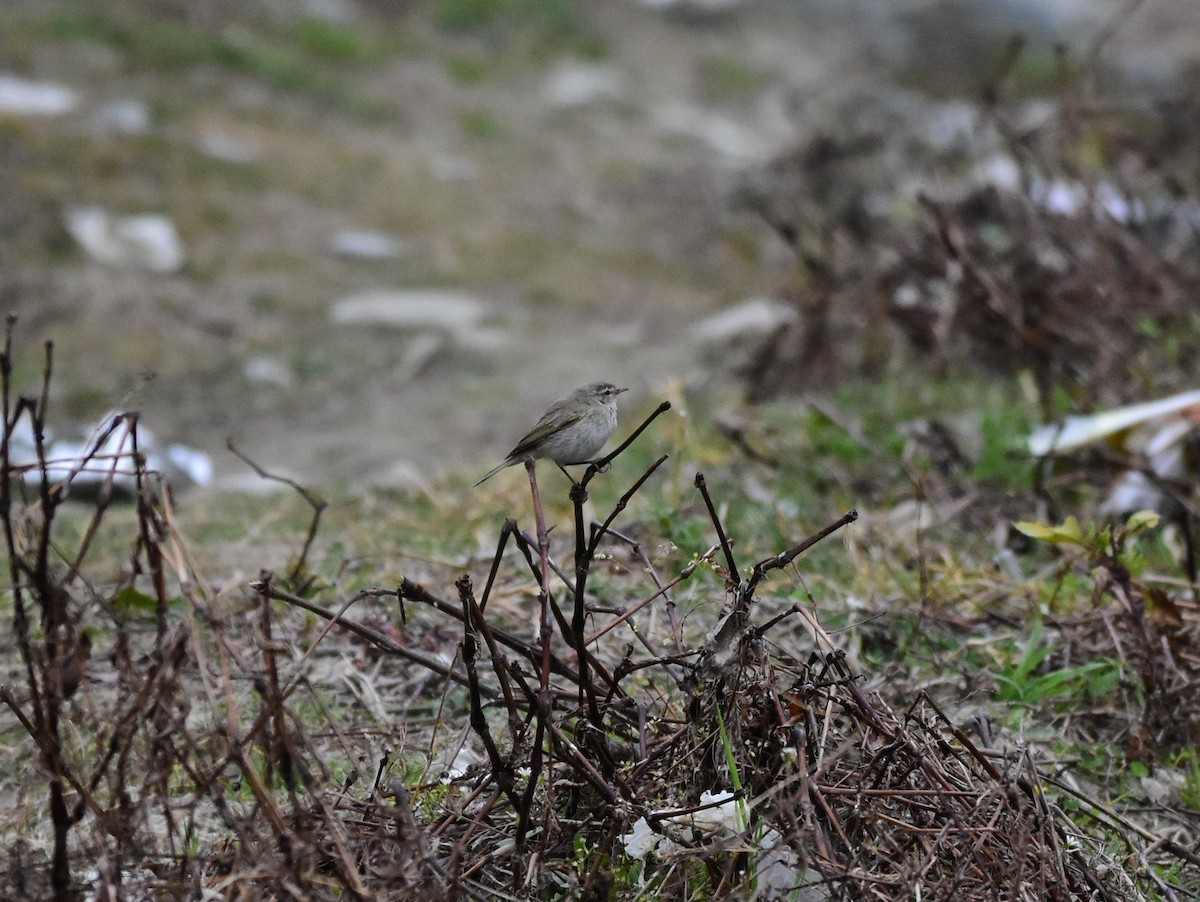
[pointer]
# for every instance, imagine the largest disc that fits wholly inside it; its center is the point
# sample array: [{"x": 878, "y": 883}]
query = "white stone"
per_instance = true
[
  {"x": 197, "y": 466},
  {"x": 451, "y": 168},
  {"x": 148, "y": 241},
  {"x": 365, "y": 245},
  {"x": 579, "y": 84},
  {"x": 267, "y": 371},
  {"x": 720, "y": 133},
  {"x": 753, "y": 317},
  {"x": 430, "y": 309},
  {"x": 19, "y": 97},
  {"x": 226, "y": 148},
  {"x": 701, "y": 8},
  {"x": 120, "y": 117}
]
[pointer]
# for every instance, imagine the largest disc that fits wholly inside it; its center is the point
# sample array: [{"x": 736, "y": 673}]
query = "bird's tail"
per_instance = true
[{"x": 493, "y": 471}]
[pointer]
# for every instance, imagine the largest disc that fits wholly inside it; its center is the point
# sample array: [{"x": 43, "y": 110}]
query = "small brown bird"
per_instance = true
[{"x": 572, "y": 431}]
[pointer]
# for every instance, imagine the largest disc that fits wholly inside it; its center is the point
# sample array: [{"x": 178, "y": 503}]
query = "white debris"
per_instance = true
[
  {"x": 19, "y": 97},
  {"x": 226, "y": 148},
  {"x": 365, "y": 245},
  {"x": 267, "y": 371},
  {"x": 147, "y": 241},
  {"x": 107, "y": 453},
  {"x": 423, "y": 309},
  {"x": 1076, "y": 431},
  {"x": 572, "y": 84},
  {"x": 753, "y": 317},
  {"x": 120, "y": 117}
]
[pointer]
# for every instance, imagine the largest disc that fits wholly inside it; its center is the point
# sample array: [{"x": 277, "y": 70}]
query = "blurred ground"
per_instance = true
[{"x": 566, "y": 171}]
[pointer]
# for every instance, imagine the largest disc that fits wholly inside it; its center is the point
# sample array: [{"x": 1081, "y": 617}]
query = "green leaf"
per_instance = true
[
  {"x": 1067, "y": 533},
  {"x": 1140, "y": 521}
]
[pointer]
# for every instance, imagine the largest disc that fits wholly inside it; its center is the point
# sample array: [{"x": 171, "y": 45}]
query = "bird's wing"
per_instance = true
[{"x": 554, "y": 420}]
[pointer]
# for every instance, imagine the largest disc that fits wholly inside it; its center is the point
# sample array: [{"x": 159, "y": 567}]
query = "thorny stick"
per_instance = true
[
  {"x": 603, "y": 462},
  {"x": 546, "y": 629},
  {"x": 629, "y": 612},
  {"x": 585, "y": 553},
  {"x": 782, "y": 560},
  {"x": 508, "y": 529},
  {"x": 501, "y": 769},
  {"x": 640, "y": 550},
  {"x": 317, "y": 504},
  {"x": 413, "y": 591},
  {"x": 375, "y": 637},
  {"x": 734, "y": 578}
]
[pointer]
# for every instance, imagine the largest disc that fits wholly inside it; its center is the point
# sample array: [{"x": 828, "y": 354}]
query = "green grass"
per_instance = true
[
  {"x": 1026, "y": 684},
  {"x": 727, "y": 79},
  {"x": 481, "y": 125},
  {"x": 551, "y": 18},
  {"x": 467, "y": 69},
  {"x": 374, "y": 540},
  {"x": 339, "y": 43},
  {"x": 529, "y": 31},
  {"x": 305, "y": 56},
  {"x": 1189, "y": 763},
  {"x": 1001, "y": 461}
]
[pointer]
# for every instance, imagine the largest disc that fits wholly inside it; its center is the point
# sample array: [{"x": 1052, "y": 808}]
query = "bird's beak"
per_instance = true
[{"x": 619, "y": 390}]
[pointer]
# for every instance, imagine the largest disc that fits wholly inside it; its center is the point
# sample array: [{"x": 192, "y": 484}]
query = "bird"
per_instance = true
[{"x": 572, "y": 431}]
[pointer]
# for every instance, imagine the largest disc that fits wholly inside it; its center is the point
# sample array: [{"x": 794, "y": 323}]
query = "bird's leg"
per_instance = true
[{"x": 565, "y": 473}]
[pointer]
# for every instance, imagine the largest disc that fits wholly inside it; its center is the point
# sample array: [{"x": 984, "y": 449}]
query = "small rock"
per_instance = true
[
  {"x": 951, "y": 124},
  {"x": 699, "y": 10},
  {"x": 999, "y": 170},
  {"x": 19, "y": 97},
  {"x": 148, "y": 241},
  {"x": 195, "y": 466},
  {"x": 450, "y": 168},
  {"x": 579, "y": 84},
  {"x": 486, "y": 341},
  {"x": 446, "y": 310},
  {"x": 365, "y": 245},
  {"x": 750, "y": 318},
  {"x": 120, "y": 118},
  {"x": 227, "y": 149},
  {"x": 720, "y": 133},
  {"x": 267, "y": 371}
]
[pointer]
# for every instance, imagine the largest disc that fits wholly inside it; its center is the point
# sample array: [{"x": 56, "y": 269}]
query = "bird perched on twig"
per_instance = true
[{"x": 572, "y": 431}]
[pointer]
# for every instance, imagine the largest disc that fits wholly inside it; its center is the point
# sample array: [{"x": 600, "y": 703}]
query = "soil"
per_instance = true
[{"x": 596, "y": 233}]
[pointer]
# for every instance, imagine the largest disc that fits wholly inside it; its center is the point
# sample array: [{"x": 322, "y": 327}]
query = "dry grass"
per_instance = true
[{"x": 616, "y": 754}]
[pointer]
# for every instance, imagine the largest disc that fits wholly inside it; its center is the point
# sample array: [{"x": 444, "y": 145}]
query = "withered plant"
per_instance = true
[{"x": 185, "y": 752}]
